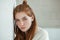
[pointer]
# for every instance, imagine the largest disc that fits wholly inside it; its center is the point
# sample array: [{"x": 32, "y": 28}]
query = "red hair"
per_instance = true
[{"x": 30, "y": 33}]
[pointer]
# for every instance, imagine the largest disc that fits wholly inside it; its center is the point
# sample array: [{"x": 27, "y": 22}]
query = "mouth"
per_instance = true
[{"x": 23, "y": 27}]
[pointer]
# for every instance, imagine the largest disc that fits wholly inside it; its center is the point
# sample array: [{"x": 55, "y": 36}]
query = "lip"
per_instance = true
[{"x": 23, "y": 27}]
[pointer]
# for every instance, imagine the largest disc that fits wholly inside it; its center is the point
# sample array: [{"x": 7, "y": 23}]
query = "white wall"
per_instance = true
[
  {"x": 47, "y": 12},
  {"x": 6, "y": 19},
  {"x": 54, "y": 33}
]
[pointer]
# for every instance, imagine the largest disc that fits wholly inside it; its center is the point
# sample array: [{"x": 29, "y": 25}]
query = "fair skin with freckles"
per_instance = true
[{"x": 23, "y": 21}]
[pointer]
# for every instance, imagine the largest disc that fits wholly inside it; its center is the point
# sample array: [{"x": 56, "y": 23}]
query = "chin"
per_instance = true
[{"x": 23, "y": 30}]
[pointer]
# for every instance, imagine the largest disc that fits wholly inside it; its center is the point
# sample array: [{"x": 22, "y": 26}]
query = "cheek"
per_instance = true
[
  {"x": 27, "y": 23},
  {"x": 17, "y": 23}
]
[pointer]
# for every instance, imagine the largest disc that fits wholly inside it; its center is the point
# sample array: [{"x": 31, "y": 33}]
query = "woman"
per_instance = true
[{"x": 25, "y": 24}]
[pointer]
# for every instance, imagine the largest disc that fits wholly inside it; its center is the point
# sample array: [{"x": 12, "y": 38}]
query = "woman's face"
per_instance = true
[{"x": 23, "y": 21}]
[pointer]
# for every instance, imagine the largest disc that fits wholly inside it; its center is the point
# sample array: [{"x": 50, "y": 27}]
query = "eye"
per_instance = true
[
  {"x": 17, "y": 20},
  {"x": 24, "y": 18}
]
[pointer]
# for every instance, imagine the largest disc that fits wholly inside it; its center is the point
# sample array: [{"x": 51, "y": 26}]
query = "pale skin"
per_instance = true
[{"x": 23, "y": 21}]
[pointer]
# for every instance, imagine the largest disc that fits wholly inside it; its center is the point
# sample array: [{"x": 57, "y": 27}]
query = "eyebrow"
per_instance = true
[{"x": 22, "y": 18}]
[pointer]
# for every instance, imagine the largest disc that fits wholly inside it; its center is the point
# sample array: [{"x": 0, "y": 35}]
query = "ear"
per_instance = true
[{"x": 32, "y": 18}]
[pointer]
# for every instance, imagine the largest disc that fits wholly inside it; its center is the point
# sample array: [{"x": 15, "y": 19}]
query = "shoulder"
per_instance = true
[{"x": 41, "y": 34}]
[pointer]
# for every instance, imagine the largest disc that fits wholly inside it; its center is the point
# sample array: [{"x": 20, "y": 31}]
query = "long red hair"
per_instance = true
[{"x": 30, "y": 33}]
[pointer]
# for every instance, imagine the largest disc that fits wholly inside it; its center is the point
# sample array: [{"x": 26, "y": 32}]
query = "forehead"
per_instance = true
[{"x": 20, "y": 15}]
